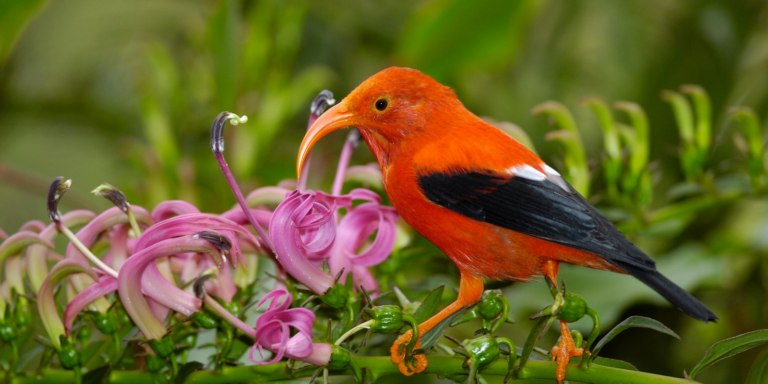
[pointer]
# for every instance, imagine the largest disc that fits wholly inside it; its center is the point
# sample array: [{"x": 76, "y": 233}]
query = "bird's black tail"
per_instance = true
[{"x": 681, "y": 299}]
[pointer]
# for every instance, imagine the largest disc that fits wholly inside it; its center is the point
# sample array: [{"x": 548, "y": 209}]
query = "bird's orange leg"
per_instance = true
[
  {"x": 567, "y": 347},
  {"x": 470, "y": 291}
]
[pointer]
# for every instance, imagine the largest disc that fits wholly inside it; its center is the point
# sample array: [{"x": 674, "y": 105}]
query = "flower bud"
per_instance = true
[
  {"x": 163, "y": 347},
  {"x": 340, "y": 358},
  {"x": 389, "y": 318},
  {"x": 572, "y": 309},
  {"x": 68, "y": 355},
  {"x": 491, "y": 306},
  {"x": 106, "y": 323},
  {"x": 482, "y": 350},
  {"x": 8, "y": 332},
  {"x": 335, "y": 297},
  {"x": 23, "y": 315},
  {"x": 204, "y": 320},
  {"x": 122, "y": 315}
]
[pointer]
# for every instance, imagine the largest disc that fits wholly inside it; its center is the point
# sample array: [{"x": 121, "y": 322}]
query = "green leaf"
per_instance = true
[
  {"x": 98, "y": 375},
  {"x": 528, "y": 348},
  {"x": 632, "y": 322},
  {"x": 428, "y": 339},
  {"x": 614, "y": 363},
  {"x": 186, "y": 370},
  {"x": 430, "y": 305},
  {"x": 759, "y": 372},
  {"x": 729, "y": 347},
  {"x": 15, "y": 15}
]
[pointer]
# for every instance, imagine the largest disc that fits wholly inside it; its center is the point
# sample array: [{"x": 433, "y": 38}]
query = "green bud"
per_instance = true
[
  {"x": 336, "y": 297},
  {"x": 68, "y": 355},
  {"x": 573, "y": 308},
  {"x": 204, "y": 319},
  {"x": 8, "y": 332},
  {"x": 155, "y": 363},
  {"x": 340, "y": 358},
  {"x": 122, "y": 316},
  {"x": 23, "y": 313},
  {"x": 163, "y": 347},
  {"x": 106, "y": 323},
  {"x": 389, "y": 318},
  {"x": 482, "y": 350},
  {"x": 233, "y": 307},
  {"x": 490, "y": 306}
]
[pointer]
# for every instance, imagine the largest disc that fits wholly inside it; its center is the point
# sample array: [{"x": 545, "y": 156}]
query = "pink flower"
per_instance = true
[
  {"x": 353, "y": 232},
  {"x": 273, "y": 332}
]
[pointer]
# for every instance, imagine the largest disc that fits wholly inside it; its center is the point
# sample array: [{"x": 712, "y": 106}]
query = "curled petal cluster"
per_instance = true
[{"x": 273, "y": 329}]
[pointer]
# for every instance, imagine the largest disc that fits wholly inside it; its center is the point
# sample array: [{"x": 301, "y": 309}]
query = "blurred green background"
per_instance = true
[{"x": 125, "y": 92}]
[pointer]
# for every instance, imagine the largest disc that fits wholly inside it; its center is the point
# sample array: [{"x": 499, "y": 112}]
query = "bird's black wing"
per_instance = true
[
  {"x": 554, "y": 212},
  {"x": 537, "y": 208}
]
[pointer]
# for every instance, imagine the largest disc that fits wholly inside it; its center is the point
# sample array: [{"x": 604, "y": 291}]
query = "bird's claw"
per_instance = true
[
  {"x": 407, "y": 363},
  {"x": 562, "y": 353}
]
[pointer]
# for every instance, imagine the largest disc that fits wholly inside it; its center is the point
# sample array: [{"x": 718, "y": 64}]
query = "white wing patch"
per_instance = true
[
  {"x": 555, "y": 177},
  {"x": 526, "y": 171},
  {"x": 531, "y": 173}
]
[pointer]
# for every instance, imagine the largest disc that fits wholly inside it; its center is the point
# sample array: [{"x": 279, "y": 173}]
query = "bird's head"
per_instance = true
[{"x": 390, "y": 109}]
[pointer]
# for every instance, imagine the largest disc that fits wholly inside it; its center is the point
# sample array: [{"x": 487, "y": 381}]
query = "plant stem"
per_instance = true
[
  {"x": 87, "y": 252},
  {"x": 382, "y": 366},
  {"x": 134, "y": 223},
  {"x": 360, "y": 326}
]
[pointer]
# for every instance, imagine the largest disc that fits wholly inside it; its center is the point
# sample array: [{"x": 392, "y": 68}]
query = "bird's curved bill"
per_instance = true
[{"x": 335, "y": 118}]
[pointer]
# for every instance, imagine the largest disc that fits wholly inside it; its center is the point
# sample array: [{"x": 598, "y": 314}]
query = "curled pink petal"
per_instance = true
[
  {"x": 167, "y": 209},
  {"x": 165, "y": 292},
  {"x": 46, "y": 303},
  {"x": 20, "y": 240},
  {"x": 88, "y": 234},
  {"x": 36, "y": 226},
  {"x": 37, "y": 255},
  {"x": 105, "y": 285},
  {"x": 238, "y": 216},
  {"x": 159, "y": 310},
  {"x": 222, "y": 287},
  {"x": 289, "y": 246},
  {"x": 266, "y": 195},
  {"x": 362, "y": 277},
  {"x": 130, "y": 279},
  {"x": 118, "y": 249},
  {"x": 273, "y": 328},
  {"x": 361, "y": 222},
  {"x": 155, "y": 286}
]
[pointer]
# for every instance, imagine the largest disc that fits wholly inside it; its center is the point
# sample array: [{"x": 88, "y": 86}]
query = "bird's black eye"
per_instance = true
[{"x": 381, "y": 104}]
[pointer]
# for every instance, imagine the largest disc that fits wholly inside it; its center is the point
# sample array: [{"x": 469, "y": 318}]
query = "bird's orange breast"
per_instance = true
[{"x": 482, "y": 248}]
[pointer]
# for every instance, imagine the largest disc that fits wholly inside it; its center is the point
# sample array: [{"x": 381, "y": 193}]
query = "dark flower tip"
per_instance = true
[
  {"x": 217, "y": 130},
  {"x": 116, "y": 196},
  {"x": 58, "y": 187},
  {"x": 321, "y": 102},
  {"x": 217, "y": 240},
  {"x": 198, "y": 287}
]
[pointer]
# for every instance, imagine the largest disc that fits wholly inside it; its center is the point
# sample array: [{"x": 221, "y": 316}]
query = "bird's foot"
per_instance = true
[
  {"x": 562, "y": 353},
  {"x": 408, "y": 363}
]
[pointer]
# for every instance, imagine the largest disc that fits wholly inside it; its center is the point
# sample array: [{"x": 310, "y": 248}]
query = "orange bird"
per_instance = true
[{"x": 490, "y": 204}]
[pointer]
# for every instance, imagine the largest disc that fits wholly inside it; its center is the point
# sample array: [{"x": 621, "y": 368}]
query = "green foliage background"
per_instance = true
[{"x": 124, "y": 92}]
